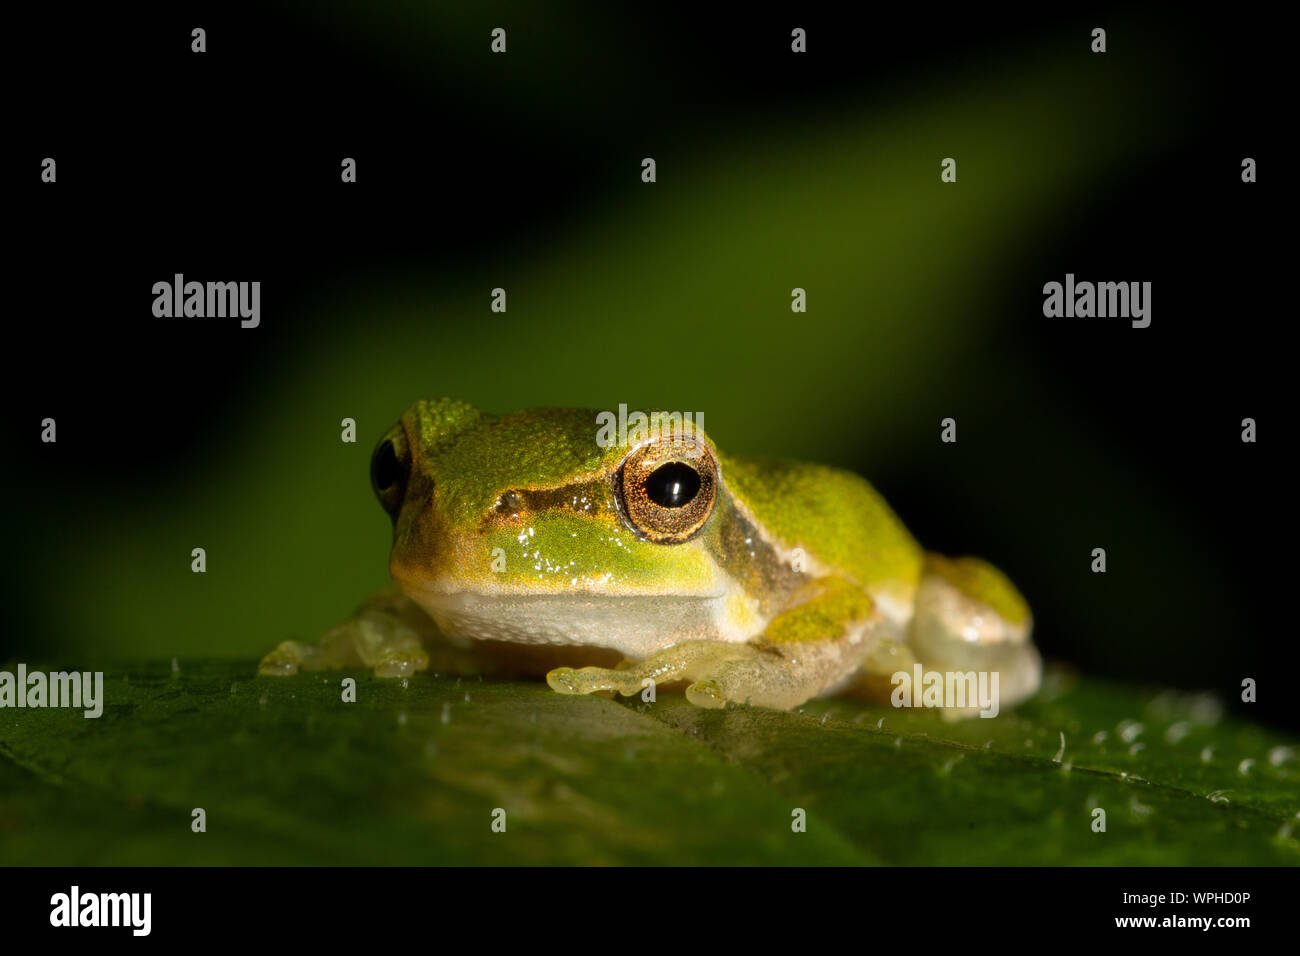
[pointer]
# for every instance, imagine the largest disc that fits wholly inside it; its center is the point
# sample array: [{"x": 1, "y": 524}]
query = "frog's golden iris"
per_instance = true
[{"x": 665, "y": 494}]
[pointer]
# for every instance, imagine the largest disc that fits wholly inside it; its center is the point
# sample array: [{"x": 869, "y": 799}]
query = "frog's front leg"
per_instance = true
[
  {"x": 388, "y": 632},
  {"x": 802, "y": 652}
]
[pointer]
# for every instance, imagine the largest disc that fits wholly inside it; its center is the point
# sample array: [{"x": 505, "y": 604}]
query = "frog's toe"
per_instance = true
[
  {"x": 565, "y": 680},
  {"x": 707, "y": 693},
  {"x": 285, "y": 661},
  {"x": 739, "y": 682},
  {"x": 760, "y": 680},
  {"x": 402, "y": 664},
  {"x": 270, "y": 667},
  {"x": 591, "y": 680}
]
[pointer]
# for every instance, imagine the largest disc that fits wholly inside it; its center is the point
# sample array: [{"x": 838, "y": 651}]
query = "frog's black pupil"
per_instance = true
[
  {"x": 386, "y": 470},
  {"x": 673, "y": 485}
]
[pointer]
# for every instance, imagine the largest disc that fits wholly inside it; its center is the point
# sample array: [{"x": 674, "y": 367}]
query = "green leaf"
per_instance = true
[{"x": 288, "y": 773}]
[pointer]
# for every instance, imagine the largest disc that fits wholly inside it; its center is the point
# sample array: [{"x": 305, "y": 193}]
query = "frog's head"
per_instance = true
[{"x": 528, "y": 527}]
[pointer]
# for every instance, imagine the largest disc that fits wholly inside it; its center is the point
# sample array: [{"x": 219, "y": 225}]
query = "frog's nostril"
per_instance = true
[{"x": 510, "y": 503}]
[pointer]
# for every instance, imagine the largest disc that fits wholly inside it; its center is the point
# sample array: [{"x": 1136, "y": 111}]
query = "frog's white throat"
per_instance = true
[{"x": 632, "y": 625}]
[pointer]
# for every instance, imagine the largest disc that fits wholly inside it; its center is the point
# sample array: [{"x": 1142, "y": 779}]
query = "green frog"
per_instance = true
[{"x": 529, "y": 543}]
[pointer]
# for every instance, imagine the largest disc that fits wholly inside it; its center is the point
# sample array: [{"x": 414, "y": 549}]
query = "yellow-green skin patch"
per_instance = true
[
  {"x": 981, "y": 581},
  {"x": 840, "y": 603}
]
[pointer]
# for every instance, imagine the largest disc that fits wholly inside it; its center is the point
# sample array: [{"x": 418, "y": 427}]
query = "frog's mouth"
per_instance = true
[{"x": 632, "y": 625}]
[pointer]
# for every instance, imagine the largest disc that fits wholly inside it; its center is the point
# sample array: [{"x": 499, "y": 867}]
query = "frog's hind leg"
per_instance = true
[
  {"x": 388, "y": 633},
  {"x": 970, "y": 618},
  {"x": 802, "y": 652}
]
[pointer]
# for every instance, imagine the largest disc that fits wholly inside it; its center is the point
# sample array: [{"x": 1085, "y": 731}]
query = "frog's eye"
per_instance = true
[
  {"x": 389, "y": 467},
  {"x": 666, "y": 490}
]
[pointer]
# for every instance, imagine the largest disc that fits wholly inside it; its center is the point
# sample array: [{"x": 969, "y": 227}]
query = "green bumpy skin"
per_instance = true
[{"x": 833, "y": 515}]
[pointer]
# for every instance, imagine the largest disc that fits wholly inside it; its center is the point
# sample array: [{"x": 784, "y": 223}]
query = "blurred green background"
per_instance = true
[{"x": 775, "y": 171}]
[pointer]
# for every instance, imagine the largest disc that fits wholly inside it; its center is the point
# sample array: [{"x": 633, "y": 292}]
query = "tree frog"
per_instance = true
[{"x": 523, "y": 543}]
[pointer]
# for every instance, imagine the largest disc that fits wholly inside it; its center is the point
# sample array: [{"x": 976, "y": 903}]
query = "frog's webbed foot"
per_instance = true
[
  {"x": 690, "y": 660},
  {"x": 384, "y": 634},
  {"x": 802, "y": 652}
]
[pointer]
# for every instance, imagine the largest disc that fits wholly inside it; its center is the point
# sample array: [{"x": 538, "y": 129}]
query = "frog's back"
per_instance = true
[{"x": 834, "y": 516}]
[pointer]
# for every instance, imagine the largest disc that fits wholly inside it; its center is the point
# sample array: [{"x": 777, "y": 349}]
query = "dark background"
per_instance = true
[{"x": 477, "y": 171}]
